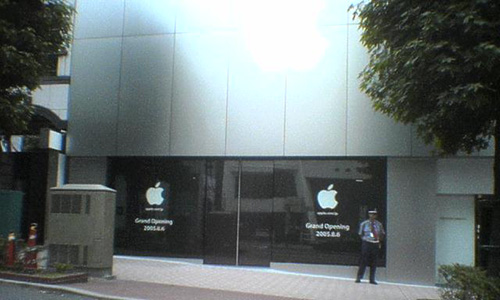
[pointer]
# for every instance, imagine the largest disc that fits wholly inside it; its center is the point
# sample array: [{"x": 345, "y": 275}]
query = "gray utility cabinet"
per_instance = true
[{"x": 80, "y": 227}]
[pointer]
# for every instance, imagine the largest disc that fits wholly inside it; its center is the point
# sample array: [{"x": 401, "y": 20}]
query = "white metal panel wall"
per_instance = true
[
  {"x": 145, "y": 95},
  {"x": 168, "y": 78},
  {"x": 256, "y": 104},
  {"x": 316, "y": 103},
  {"x": 93, "y": 105},
  {"x": 149, "y": 17},
  {"x": 195, "y": 16},
  {"x": 411, "y": 220},
  {"x": 465, "y": 176},
  {"x": 418, "y": 147},
  {"x": 99, "y": 19},
  {"x": 200, "y": 91},
  {"x": 369, "y": 132},
  {"x": 334, "y": 12}
]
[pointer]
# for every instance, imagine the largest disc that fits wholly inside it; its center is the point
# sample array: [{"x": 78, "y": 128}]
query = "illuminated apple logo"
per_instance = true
[
  {"x": 326, "y": 198},
  {"x": 154, "y": 195}
]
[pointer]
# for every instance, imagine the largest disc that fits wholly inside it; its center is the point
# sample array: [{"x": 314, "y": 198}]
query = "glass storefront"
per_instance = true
[
  {"x": 247, "y": 212},
  {"x": 160, "y": 204}
]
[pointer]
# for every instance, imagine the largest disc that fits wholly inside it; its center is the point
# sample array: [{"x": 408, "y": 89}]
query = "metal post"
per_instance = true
[{"x": 238, "y": 215}]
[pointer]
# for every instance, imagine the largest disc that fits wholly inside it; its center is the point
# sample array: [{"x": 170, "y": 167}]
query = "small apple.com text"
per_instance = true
[
  {"x": 328, "y": 230},
  {"x": 154, "y": 224}
]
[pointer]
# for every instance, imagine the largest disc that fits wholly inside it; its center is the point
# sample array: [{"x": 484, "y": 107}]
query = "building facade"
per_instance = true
[{"x": 235, "y": 133}]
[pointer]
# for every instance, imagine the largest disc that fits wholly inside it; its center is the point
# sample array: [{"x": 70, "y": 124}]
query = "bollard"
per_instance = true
[
  {"x": 31, "y": 250},
  {"x": 11, "y": 250}
]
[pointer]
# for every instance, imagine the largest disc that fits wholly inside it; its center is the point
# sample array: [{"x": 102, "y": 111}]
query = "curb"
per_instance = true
[{"x": 71, "y": 290}]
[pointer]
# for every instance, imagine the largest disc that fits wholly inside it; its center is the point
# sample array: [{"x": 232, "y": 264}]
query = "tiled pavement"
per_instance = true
[
  {"x": 158, "y": 278},
  {"x": 147, "y": 278}
]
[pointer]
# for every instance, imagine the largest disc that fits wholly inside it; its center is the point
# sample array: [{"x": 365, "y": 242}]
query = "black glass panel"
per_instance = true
[
  {"x": 159, "y": 206},
  {"x": 221, "y": 212},
  {"x": 300, "y": 211},
  {"x": 318, "y": 223},
  {"x": 256, "y": 205}
]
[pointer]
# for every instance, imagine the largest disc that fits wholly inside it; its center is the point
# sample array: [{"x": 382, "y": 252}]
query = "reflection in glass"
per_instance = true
[
  {"x": 171, "y": 224},
  {"x": 221, "y": 212},
  {"x": 255, "y": 221}
]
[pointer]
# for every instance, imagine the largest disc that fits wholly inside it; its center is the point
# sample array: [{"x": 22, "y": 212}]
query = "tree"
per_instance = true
[
  {"x": 436, "y": 64},
  {"x": 30, "y": 31}
]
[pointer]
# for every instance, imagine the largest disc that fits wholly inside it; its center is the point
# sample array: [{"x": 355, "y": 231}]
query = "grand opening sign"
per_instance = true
[
  {"x": 330, "y": 218},
  {"x": 154, "y": 216},
  {"x": 326, "y": 230}
]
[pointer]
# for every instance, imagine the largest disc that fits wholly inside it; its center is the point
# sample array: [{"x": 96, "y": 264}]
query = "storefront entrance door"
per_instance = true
[
  {"x": 487, "y": 236},
  {"x": 239, "y": 213}
]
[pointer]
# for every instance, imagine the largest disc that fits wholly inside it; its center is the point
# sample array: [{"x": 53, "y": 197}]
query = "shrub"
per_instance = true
[
  {"x": 468, "y": 283},
  {"x": 63, "y": 268}
]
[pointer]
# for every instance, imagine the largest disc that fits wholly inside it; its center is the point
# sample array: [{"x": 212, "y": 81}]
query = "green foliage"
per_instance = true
[
  {"x": 468, "y": 283},
  {"x": 435, "y": 64},
  {"x": 63, "y": 268},
  {"x": 19, "y": 266},
  {"x": 30, "y": 31}
]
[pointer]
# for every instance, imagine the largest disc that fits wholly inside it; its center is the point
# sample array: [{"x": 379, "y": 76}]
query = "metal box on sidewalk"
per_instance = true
[{"x": 80, "y": 227}]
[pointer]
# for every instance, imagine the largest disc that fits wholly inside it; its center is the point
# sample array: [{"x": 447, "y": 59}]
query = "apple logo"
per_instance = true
[
  {"x": 154, "y": 195},
  {"x": 326, "y": 198}
]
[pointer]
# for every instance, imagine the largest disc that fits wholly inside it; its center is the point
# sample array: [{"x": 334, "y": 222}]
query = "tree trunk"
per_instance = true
[
  {"x": 494, "y": 253},
  {"x": 496, "y": 161}
]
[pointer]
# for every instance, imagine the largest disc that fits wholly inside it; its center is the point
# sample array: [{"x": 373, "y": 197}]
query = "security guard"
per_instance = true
[{"x": 371, "y": 232}]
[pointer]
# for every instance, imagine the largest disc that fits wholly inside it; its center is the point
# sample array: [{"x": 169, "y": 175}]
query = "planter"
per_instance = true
[{"x": 47, "y": 278}]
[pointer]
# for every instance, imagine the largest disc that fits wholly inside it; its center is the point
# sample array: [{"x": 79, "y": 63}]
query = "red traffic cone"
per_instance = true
[{"x": 11, "y": 250}]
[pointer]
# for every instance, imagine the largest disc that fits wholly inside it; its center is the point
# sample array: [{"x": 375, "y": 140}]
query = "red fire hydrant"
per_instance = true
[
  {"x": 31, "y": 251},
  {"x": 11, "y": 250}
]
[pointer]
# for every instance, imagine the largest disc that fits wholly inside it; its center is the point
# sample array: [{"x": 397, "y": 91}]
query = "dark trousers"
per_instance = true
[{"x": 369, "y": 255}]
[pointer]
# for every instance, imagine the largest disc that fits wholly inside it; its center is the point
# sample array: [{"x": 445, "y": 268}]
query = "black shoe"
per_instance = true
[
  {"x": 357, "y": 281},
  {"x": 373, "y": 282}
]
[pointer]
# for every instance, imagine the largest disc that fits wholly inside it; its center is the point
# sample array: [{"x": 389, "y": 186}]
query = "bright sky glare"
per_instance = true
[{"x": 282, "y": 34}]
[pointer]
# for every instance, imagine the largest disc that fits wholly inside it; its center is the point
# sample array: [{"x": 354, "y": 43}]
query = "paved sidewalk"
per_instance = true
[
  {"x": 148, "y": 278},
  {"x": 143, "y": 278}
]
